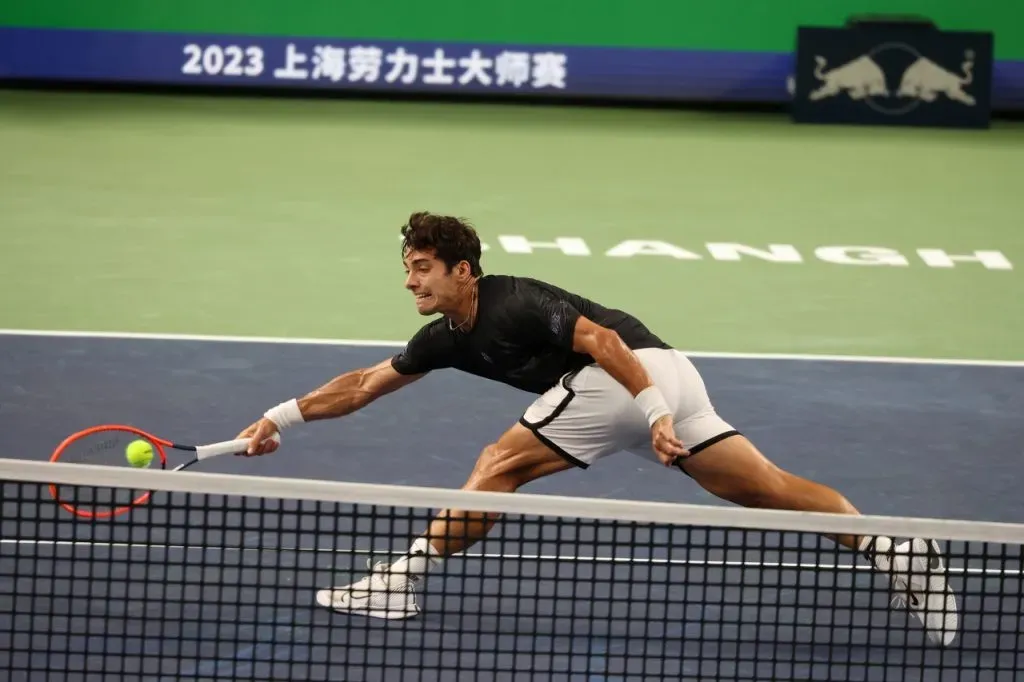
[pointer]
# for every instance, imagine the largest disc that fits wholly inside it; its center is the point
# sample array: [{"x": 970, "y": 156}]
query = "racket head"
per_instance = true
[{"x": 104, "y": 445}]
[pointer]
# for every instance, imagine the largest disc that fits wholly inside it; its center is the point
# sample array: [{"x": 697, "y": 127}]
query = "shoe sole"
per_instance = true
[
  {"x": 943, "y": 633},
  {"x": 392, "y": 614}
]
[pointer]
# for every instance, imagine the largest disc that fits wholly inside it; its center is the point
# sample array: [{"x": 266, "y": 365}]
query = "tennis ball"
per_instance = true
[{"x": 139, "y": 453}]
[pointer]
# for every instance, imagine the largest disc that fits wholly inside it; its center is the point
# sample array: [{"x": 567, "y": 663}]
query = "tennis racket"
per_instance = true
[{"x": 106, "y": 445}]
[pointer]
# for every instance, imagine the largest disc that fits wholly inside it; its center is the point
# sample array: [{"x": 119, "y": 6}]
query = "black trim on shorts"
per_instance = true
[
  {"x": 559, "y": 408},
  {"x": 711, "y": 441},
  {"x": 703, "y": 446},
  {"x": 558, "y": 451},
  {"x": 536, "y": 427}
]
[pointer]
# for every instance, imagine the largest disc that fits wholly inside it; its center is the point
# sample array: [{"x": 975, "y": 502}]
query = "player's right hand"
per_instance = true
[
  {"x": 260, "y": 435},
  {"x": 665, "y": 443}
]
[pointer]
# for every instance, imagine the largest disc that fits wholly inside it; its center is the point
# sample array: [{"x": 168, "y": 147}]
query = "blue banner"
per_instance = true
[{"x": 518, "y": 70}]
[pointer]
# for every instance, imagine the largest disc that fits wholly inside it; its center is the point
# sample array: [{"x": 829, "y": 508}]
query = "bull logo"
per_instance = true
[
  {"x": 925, "y": 80},
  {"x": 860, "y": 78},
  {"x": 922, "y": 80}
]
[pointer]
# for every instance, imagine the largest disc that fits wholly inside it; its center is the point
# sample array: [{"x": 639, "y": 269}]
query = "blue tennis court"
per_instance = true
[
  {"x": 898, "y": 439},
  {"x": 227, "y": 591}
]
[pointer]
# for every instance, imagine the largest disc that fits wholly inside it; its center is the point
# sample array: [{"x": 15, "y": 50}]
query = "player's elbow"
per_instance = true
[
  {"x": 382, "y": 379},
  {"x": 599, "y": 342},
  {"x": 610, "y": 342}
]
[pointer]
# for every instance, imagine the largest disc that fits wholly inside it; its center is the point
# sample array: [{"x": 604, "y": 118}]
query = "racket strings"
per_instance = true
[{"x": 103, "y": 448}]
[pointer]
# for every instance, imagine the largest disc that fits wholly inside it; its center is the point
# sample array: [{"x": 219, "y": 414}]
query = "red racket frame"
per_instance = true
[{"x": 158, "y": 444}]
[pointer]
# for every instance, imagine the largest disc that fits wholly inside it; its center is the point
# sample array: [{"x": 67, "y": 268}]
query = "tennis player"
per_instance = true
[{"x": 604, "y": 384}]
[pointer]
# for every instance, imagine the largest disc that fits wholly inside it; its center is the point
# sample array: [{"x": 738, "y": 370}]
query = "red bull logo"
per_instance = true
[
  {"x": 892, "y": 72},
  {"x": 864, "y": 79},
  {"x": 860, "y": 78},
  {"x": 925, "y": 80}
]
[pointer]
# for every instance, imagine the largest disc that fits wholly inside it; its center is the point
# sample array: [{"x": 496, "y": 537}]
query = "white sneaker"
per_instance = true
[
  {"x": 919, "y": 583},
  {"x": 379, "y": 595}
]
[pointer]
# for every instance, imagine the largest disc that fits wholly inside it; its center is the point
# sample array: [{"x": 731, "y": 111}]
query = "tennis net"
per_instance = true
[{"x": 217, "y": 579}]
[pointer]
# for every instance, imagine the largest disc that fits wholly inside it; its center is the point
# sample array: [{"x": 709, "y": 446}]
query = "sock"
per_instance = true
[
  {"x": 879, "y": 550},
  {"x": 421, "y": 559}
]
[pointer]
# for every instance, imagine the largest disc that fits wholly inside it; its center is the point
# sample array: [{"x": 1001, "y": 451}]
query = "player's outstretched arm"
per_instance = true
[
  {"x": 340, "y": 396},
  {"x": 352, "y": 391}
]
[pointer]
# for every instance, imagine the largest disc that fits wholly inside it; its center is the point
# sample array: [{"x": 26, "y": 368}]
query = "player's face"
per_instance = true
[{"x": 435, "y": 288}]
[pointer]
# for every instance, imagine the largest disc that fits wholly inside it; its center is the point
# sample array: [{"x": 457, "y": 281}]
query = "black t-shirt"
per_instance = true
[{"x": 522, "y": 335}]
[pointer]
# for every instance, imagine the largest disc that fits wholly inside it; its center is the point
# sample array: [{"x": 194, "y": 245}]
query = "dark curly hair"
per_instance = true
[{"x": 452, "y": 239}]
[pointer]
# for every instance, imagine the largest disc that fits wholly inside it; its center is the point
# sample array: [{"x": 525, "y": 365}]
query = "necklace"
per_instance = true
[{"x": 472, "y": 311}]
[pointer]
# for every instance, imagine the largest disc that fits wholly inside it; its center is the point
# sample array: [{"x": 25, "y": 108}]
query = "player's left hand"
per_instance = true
[{"x": 665, "y": 443}]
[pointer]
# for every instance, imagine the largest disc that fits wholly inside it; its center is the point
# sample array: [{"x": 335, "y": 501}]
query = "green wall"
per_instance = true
[{"x": 741, "y": 25}]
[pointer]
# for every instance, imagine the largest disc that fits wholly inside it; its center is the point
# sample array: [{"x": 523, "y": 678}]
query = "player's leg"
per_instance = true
[
  {"x": 517, "y": 458},
  {"x": 727, "y": 464},
  {"x": 730, "y": 466},
  {"x": 735, "y": 470},
  {"x": 571, "y": 425}
]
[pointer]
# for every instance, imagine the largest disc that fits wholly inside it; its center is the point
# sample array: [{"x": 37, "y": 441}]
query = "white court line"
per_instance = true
[
  {"x": 212, "y": 338},
  {"x": 91, "y": 544},
  {"x": 378, "y": 343}
]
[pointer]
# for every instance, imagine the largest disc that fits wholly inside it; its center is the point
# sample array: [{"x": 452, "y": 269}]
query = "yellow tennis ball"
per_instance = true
[{"x": 139, "y": 453}]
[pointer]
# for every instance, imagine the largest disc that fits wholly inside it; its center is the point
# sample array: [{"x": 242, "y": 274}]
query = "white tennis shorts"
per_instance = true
[{"x": 589, "y": 415}]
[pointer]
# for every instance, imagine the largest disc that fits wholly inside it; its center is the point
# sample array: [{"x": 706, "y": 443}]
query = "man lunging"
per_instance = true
[{"x": 604, "y": 384}]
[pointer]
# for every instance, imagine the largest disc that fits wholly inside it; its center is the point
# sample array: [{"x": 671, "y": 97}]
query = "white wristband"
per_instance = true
[
  {"x": 286, "y": 414},
  {"x": 653, "y": 404}
]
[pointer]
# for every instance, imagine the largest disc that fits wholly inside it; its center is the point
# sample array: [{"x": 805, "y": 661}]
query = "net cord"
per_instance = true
[{"x": 524, "y": 504}]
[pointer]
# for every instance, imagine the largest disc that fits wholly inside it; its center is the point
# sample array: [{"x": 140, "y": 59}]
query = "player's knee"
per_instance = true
[
  {"x": 763, "y": 492},
  {"x": 765, "y": 495},
  {"x": 495, "y": 471}
]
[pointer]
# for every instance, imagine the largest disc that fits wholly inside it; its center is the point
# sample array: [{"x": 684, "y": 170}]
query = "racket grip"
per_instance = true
[{"x": 228, "y": 447}]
